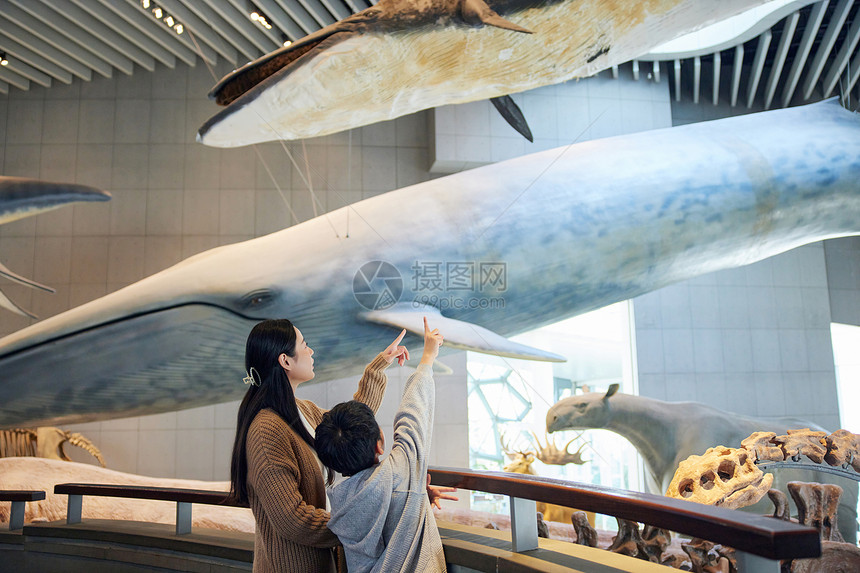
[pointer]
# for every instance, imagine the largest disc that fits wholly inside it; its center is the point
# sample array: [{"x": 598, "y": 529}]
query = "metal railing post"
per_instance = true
[
  {"x": 524, "y": 534},
  {"x": 749, "y": 563},
  {"x": 16, "y": 520},
  {"x": 73, "y": 512},
  {"x": 183, "y": 517}
]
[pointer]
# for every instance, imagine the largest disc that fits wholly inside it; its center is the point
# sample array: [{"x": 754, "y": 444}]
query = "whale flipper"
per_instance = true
[
  {"x": 458, "y": 333},
  {"x": 512, "y": 113}
]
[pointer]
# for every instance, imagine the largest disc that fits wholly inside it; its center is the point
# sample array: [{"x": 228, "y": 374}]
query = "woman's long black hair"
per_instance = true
[{"x": 267, "y": 341}]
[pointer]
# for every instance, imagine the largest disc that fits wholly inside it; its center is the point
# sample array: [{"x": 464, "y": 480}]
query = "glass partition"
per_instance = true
[{"x": 509, "y": 400}]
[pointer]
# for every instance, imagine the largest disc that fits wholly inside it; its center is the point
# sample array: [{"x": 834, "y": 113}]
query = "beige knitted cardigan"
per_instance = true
[{"x": 286, "y": 490}]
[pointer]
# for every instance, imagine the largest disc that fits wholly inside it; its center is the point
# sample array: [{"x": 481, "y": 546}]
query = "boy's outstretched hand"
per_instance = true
[
  {"x": 437, "y": 493},
  {"x": 432, "y": 342},
  {"x": 395, "y": 351}
]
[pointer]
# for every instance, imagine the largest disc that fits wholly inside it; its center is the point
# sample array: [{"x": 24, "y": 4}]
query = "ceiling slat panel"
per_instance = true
[
  {"x": 201, "y": 32},
  {"x": 840, "y": 13},
  {"x": 19, "y": 34},
  {"x": 737, "y": 68},
  {"x": 128, "y": 31},
  {"x": 208, "y": 17},
  {"x": 697, "y": 77},
  {"x": 335, "y": 8},
  {"x": 29, "y": 72},
  {"x": 842, "y": 58},
  {"x": 758, "y": 65},
  {"x": 165, "y": 39},
  {"x": 27, "y": 55},
  {"x": 103, "y": 32},
  {"x": 355, "y": 5},
  {"x": 4, "y": 88},
  {"x": 779, "y": 57},
  {"x": 242, "y": 24},
  {"x": 273, "y": 35},
  {"x": 319, "y": 12},
  {"x": 14, "y": 79},
  {"x": 853, "y": 73},
  {"x": 677, "y": 65},
  {"x": 715, "y": 97},
  {"x": 810, "y": 31},
  {"x": 303, "y": 23},
  {"x": 47, "y": 34}
]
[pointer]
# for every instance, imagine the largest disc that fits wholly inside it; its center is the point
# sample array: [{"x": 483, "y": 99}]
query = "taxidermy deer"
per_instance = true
[{"x": 521, "y": 463}]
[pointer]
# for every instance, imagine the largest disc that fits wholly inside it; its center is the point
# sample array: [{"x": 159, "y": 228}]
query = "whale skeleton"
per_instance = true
[
  {"x": 21, "y": 197},
  {"x": 402, "y": 56},
  {"x": 576, "y": 228}
]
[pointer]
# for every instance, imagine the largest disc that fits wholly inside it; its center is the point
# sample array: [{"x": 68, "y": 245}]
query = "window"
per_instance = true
[{"x": 509, "y": 399}]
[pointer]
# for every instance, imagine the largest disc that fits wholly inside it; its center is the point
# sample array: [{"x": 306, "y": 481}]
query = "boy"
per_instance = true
[{"x": 381, "y": 513}]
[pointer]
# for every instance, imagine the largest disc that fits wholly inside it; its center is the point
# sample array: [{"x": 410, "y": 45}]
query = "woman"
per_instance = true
[{"x": 274, "y": 467}]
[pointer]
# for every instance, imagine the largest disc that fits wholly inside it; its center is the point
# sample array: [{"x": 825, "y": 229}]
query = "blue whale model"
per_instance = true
[{"x": 563, "y": 231}]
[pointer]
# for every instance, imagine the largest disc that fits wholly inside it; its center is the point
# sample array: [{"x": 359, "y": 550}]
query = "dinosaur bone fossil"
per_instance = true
[
  {"x": 839, "y": 449},
  {"x": 725, "y": 477},
  {"x": 817, "y": 507},
  {"x": 44, "y": 442}
]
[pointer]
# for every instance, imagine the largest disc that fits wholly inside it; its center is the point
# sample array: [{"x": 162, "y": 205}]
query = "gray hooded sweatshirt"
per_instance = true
[{"x": 382, "y": 514}]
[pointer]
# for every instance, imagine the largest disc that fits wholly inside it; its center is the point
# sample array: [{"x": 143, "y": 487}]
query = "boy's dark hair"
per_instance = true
[{"x": 346, "y": 438}]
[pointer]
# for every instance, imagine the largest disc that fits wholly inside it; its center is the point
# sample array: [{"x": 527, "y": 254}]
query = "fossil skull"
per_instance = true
[{"x": 723, "y": 476}]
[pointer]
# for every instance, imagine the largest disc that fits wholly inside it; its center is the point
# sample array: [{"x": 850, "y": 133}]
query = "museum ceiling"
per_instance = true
[{"x": 797, "y": 51}]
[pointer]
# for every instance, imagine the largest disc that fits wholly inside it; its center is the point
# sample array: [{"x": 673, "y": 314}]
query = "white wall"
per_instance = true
[{"x": 753, "y": 340}]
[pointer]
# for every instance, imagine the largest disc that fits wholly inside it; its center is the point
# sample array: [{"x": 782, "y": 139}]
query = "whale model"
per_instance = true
[
  {"x": 490, "y": 252},
  {"x": 403, "y": 56},
  {"x": 21, "y": 197}
]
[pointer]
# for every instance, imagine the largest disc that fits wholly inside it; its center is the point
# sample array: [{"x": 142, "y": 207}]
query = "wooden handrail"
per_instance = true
[
  {"x": 760, "y": 535},
  {"x": 757, "y": 535},
  {"x": 203, "y": 496},
  {"x": 19, "y": 497}
]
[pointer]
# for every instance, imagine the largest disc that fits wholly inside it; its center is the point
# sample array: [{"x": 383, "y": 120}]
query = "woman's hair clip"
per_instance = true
[{"x": 251, "y": 379}]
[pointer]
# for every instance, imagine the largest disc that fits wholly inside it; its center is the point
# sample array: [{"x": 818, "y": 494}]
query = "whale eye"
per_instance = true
[{"x": 257, "y": 299}]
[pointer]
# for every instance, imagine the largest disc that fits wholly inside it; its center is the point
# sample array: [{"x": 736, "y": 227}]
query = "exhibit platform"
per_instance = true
[{"x": 113, "y": 546}]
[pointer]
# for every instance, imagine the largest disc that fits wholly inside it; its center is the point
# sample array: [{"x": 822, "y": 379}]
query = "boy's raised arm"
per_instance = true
[{"x": 371, "y": 387}]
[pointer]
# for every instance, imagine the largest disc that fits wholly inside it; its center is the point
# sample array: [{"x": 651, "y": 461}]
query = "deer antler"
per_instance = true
[
  {"x": 511, "y": 453},
  {"x": 549, "y": 453}
]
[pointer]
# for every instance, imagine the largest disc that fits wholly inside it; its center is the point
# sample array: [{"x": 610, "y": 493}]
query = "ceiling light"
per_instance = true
[
  {"x": 287, "y": 43},
  {"x": 261, "y": 20},
  {"x": 159, "y": 13},
  {"x": 3, "y": 60}
]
